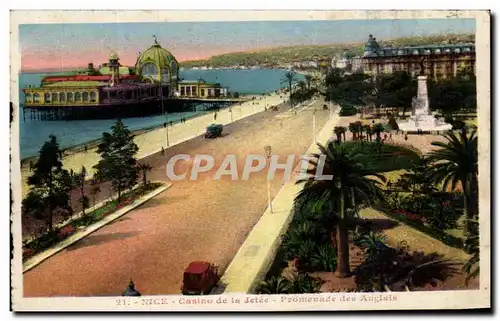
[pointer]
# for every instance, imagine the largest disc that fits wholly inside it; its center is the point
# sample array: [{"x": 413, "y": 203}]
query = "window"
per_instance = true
[
  {"x": 78, "y": 96},
  {"x": 415, "y": 52},
  {"x": 85, "y": 97},
  {"x": 165, "y": 75},
  {"x": 438, "y": 51},
  {"x": 28, "y": 98},
  {"x": 150, "y": 70},
  {"x": 401, "y": 52},
  {"x": 183, "y": 92},
  {"x": 55, "y": 97},
  {"x": 202, "y": 92},
  {"x": 193, "y": 90},
  {"x": 36, "y": 97},
  {"x": 188, "y": 91},
  {"x": 62, "y": 97},
  {"x": 457, "y": 50},
  {"x": 47, "y": 98},
  {"x": 70, "y": 97},
  {"x": 93, "y": 96}
]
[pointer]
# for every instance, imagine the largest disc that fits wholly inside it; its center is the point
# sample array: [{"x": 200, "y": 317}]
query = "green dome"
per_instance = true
[
  {"x": 113, "y": 56},
  {"x": 161, "y": 58}
]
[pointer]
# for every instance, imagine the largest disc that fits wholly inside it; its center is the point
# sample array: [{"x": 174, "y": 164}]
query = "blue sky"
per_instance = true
[{"x": 53, "y": 45}]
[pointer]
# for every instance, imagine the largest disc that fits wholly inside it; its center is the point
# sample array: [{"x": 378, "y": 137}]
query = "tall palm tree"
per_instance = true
[
  {"x": 369, "y": 131},
  {"x": 359, "y": 129},
  {"x": 378, "y": 128},
  {"x": 339, "y": 130},
  {"x": 456, "y": 162},
  {"x": 289, "y": 78},
  {"x": 350, "y": 184},
  {"x": 354, "y": 130}
]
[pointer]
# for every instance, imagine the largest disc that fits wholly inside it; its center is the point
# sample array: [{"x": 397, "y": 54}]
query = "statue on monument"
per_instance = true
[{"x": 422, "y": 67}]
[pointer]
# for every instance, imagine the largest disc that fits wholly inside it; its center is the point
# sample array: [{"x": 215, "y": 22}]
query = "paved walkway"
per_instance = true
[{"x": 193, "y": 220}]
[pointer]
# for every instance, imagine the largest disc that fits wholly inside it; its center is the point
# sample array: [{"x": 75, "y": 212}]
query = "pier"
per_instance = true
[{"x": 125, "y": 109}]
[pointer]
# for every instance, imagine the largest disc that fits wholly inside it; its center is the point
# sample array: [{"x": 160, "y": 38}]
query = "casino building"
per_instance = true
[
  {"x": 113, "y": 89},
  {"x": 440, "y": 61}
]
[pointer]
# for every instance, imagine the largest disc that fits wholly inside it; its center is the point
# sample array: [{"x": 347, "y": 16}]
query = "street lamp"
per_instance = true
[
  {"x": 165, "y": 124},
  {"x": 130, "y": 290},
  {"x": 231, "y": 112},
  {"x": 314, "y": 125},
  {"x": 267, "y": 151}
]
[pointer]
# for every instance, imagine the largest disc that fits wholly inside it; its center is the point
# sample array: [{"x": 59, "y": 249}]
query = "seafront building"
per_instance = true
[
  {"x": 439, "y": 61},
  {"x": 153, "y": 79}
]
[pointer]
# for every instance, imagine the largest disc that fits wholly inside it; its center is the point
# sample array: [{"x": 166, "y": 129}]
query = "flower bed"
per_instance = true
[{"x": 59, "y": 234}]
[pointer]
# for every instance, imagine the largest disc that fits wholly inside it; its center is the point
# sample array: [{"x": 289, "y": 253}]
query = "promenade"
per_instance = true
[
  {"x": 152, "y": 141},
  {"x": 194, "y": 220}
]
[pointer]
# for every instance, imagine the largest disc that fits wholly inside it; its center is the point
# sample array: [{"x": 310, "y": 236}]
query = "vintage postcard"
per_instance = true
[{"x": 250, "y": 161}]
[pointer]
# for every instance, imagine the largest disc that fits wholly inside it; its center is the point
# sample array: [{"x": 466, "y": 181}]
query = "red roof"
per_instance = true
[
  {"x": 197, "y": 267},
  {"x": 84, "y": 78}
]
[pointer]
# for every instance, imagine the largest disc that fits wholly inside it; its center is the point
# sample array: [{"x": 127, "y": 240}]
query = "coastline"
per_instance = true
[
  {"x": 93, "y": 143},
  {"x": 152, "y": 139}
]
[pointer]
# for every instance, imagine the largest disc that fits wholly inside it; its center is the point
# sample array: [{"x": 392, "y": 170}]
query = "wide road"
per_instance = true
[{"x": 193, "y": 220}]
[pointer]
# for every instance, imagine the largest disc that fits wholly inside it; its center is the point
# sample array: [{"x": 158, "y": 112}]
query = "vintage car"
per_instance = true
[
  {"x": 199, "y": 278},
  {"x": 213, "y": 131}
]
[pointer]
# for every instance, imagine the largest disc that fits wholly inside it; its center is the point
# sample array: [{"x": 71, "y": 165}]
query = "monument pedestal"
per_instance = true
[{"x": 421, "y": 118}]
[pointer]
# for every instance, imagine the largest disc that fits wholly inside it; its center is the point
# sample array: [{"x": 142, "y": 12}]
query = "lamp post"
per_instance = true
[
  {"x": 267, "y": 150},
  {"x": 231, "y": 112},
  {"x": 314, "y": 125},
  {"x": 164, "y": 112}
]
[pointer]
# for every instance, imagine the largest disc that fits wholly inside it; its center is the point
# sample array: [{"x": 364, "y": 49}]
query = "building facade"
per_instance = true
[
  {"x": 439, "y": 61},
  {"x": 200, "y": 89}
]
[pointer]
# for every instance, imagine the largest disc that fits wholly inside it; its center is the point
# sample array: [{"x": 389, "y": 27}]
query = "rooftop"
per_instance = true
[{"x": 76, "y": 84}]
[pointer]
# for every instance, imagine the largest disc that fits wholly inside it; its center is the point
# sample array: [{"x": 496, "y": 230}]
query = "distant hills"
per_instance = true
[{"x": 284, "y": 55}]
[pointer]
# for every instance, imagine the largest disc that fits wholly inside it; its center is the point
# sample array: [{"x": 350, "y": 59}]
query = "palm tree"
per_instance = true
[
  {"x": 339, "y": 130},
  {"x": 290, "y": 78},
  {"x": 359, "y": 129},
  {"x": 354, "y": 130},
  {"x": 456, "y": 162},
  {"x": 308, "y": 79},
  {"x": 378, "y": 128},
  {"x": 350, "y": 182},
  {"x": 369, "y": 132}
]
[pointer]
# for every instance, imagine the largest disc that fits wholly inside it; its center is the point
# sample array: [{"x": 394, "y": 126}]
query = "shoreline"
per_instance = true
[{"x": 93, "y": 143}]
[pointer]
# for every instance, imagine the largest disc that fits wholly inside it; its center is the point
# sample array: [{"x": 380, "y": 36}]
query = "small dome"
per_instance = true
[{"x": 113, "y": 56}]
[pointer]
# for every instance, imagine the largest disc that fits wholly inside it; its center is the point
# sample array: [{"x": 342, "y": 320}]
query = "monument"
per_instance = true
[{"x": 421, "y": 118}]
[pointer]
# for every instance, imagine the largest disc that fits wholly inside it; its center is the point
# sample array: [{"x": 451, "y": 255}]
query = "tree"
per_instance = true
[
  {"x": 50, "y": 185},
  {"x": 289, "y": 79},
  {"x": 378, "y": 128},
  {"x": 456, "y": 162},
  {"x": 118, "y": 163},
  {"x": 369, "y": 132},
  {"x": 145, "y": 168},
  {"x": 339, "y": 131},
  {"x": 350, "y": 185}
]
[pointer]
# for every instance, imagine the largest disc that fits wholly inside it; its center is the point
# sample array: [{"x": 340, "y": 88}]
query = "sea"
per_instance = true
[{"x": 33, "y": 133}]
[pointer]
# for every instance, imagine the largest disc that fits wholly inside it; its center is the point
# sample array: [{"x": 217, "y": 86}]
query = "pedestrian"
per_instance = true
[
  {"x": 171, "y": 122},
  {"x": 85, "y": 147},
  {"x": 390, "y": 137},
  {"x": 162, "y": 151},
  {"x": 31, "y": 166},
  {"x": 406, "y": 137},
  {"x": 215, "y": 116}
]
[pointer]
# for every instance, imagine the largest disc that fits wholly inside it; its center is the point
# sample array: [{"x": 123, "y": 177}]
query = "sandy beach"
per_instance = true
[
  {"x": 194, "y": 220},
  {"x": 151, "y": 141}
]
